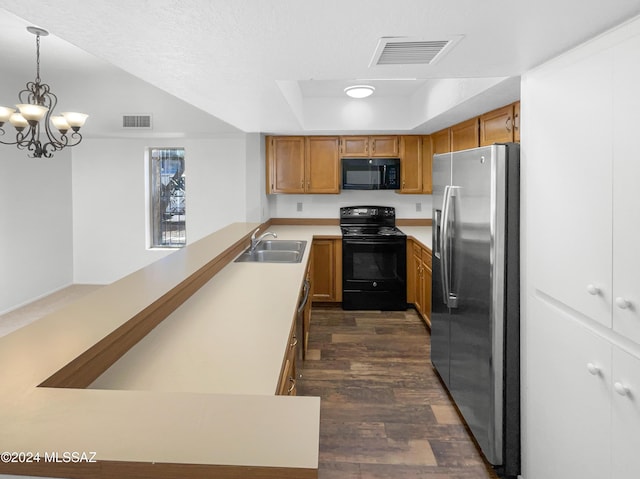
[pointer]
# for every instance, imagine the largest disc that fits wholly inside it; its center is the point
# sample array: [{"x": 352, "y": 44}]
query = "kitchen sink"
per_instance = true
[
  {"x": 281, "y": 245},
  {"x": 274, "y": 251}
]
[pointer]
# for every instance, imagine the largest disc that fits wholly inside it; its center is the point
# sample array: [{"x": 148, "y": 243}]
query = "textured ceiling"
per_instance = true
[{"x": 281, "y": 65}]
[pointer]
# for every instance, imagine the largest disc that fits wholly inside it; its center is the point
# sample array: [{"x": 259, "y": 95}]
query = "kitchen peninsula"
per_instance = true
[{"x": 190, "y": 431}]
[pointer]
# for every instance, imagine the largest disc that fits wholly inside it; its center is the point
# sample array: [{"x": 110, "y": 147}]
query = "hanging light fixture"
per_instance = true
[{"x": 35, "y": 115}]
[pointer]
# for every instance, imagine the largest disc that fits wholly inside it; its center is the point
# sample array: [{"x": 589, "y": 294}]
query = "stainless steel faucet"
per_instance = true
[{"x": 256, "y": 241}]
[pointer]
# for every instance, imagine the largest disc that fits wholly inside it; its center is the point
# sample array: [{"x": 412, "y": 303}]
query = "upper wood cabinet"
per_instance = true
[
  {"x": 516, "y": 121},
  {"x": 369, "y": 146},
  {"x": 285, "y": 164},
  {"x": 427, "y": 164},
  {"x": 322, "y": 165},
  {"x": 465, "y": 135},
  {"x": 298, "y": 164},
  {"x": 415, "y": 160},
  {"x": 441, "y": 141},
  {"x": 411, "y": 164},
  {"x": 497, "y": 126}
]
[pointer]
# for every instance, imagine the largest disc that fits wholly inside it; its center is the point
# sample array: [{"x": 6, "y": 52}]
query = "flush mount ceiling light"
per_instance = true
[
  {"x": 359, "y": 91},
  {"x": 37, "y": 102}
]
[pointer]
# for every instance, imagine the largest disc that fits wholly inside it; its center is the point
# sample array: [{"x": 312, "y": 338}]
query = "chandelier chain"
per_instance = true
[{"x": 37, "y": 58}]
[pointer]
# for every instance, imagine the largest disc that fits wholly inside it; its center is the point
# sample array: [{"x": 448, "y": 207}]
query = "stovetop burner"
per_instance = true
[
  {"x": 355, "y": 231},
  {"x": 369, "y": 221}
]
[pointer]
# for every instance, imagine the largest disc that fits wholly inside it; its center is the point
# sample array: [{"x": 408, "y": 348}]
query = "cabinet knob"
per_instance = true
[
  {"x": 622, "y": 303},
  {"x": 621, "y": 389},
  {"x": 593, "y": 289},
  {"x": 593, "y": 369}
]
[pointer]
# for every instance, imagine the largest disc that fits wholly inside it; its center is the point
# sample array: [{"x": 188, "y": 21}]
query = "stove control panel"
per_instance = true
[{"x": 367, "y": 212}]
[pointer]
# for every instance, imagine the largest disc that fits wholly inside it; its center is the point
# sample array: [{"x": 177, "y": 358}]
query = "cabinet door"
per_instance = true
[
  {"x": 516, "y": 121},
  {"x": 567, "y": 410},
  {"x": 324, "y": 275},
  {"x": 569, "y": 222},
  {"x": 426, "y": 285},
  {"x": 465, "y": 135},
  {"x": 384, "y": 146},
  {"x": 626, "y": 206},
  {"x": 427, "y": 162},
  {"x": 286, "y": 164},
  {"x": 625, "y": 415},
  {"x": 354, "y": 146},
  {"x": 411, "y": 164},
  {"x": 322, "y": 164},
  {"x": 497, "y": 126},
  {"x": 441, "y": 141},
  {"x": 416, "y": 267}
]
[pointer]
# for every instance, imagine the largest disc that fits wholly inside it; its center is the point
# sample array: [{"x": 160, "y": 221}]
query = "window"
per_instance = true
[{"x": 167, "y": 199}]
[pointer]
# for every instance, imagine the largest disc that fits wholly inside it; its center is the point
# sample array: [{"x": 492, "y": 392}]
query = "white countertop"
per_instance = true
[
  {"x": 229, "y": 337},
  {"x": 199, "y": 388},
  {"x": 174, "y": 425}
]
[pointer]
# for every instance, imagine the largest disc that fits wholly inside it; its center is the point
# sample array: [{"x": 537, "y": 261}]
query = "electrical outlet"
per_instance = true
[
  {"x": 418, "y": 207},
  {"x": 299, "y": 206}
]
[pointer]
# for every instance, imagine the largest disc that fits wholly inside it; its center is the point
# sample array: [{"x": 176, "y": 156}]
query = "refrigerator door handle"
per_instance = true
[{"x": 451, "y": 300}]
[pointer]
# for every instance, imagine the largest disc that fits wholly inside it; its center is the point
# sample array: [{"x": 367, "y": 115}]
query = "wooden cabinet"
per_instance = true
[
  {"x": 327, "y": 270},
  {"x": 516, "y": 122},
  {"x": 287, "y": 382},
  {"x": 369, "y": 146},
  {"x": 415, "y": 159},
  {"x": 419, "y": 279},
  {"x": 411, "y": 164},
  {"x": 427, "y": 165},
  {"x": 322, "y": 165},
  {"x": 285, "y": 164},
  {"x": 306, "y": 314},
  {"x": 298, "y": 164},
  {"x": 465, "y": 135},
  {"x": 497, "y": 126},
  {"x": 441, "y": 141}
]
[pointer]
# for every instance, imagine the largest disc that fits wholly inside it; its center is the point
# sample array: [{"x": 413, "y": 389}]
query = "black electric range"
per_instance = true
[{"x": 374, "y": 259}]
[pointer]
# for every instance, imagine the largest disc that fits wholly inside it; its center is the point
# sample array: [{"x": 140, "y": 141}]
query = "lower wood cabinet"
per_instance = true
[
  {"x": 419, "y": 279},
  {"x": 287, "y": 383},
  {"x": 326, "y": 269}
]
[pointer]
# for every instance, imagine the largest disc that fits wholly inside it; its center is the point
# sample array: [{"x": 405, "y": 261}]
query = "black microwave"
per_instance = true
[{"x": 371, "y": 173}]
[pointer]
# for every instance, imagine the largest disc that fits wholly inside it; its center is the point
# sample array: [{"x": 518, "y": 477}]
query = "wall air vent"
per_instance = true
[
  {"x": 411, "y": 51},
  {"x": 137, "y": 122}
]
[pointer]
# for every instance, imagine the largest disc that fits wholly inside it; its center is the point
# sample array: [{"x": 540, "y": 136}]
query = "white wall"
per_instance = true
[
  {"x": 35, "y": 225},
  {"x": 327, "y": 206},
  {"x": 109, "y": 200}
]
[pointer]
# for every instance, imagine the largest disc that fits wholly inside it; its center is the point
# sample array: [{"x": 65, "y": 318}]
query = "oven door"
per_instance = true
[{"x": 374, "y": 273}]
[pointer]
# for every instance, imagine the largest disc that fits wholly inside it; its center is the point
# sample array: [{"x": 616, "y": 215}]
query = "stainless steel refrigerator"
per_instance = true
[{"x": 475, "y": 318}]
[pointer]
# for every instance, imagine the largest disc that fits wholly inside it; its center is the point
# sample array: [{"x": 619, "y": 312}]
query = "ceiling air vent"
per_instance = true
[
  {"x": 137, "y": 122},
  {"x": 410, "y": 51}
]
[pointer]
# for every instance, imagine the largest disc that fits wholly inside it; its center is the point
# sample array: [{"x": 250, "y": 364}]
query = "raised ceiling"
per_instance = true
[{"x": 280, "y": 66}]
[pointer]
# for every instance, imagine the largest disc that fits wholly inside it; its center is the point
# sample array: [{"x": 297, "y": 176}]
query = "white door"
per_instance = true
[
  {"x": 625, "y": 415},
  {"x": 626, "y": 192},
  {"x": 567, "y": 161},
  {"x": 568, "y": 394}
]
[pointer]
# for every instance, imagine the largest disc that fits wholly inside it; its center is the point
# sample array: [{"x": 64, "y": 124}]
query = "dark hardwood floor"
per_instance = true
[{"x": 384, "y": 412}]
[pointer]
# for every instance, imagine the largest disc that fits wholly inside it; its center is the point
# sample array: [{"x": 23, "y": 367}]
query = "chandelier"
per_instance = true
[{"x": 37, "y": 103}]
